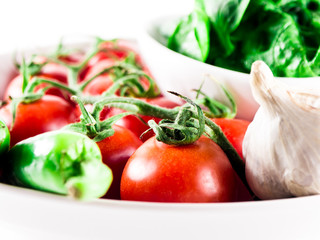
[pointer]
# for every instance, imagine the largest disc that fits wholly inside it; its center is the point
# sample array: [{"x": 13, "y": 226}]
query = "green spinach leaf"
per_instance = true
[
  {"x": 225, "y": 16},
  {"x": 283, "y": 33},
  {"x": 191, "y": 37}
]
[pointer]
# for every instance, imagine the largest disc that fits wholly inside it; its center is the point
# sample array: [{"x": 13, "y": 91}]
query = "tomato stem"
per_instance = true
[
  {"x": 86, "y": 118},
  {"x": 131, "y": 73},
  {"x": 133, "y": 105},
  {"x": 36, "y": 81}
]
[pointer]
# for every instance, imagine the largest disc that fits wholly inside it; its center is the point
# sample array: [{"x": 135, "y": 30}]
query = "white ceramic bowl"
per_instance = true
[
  {"x": 176, "y": 72},
  {"x": 29, "y": 214}
]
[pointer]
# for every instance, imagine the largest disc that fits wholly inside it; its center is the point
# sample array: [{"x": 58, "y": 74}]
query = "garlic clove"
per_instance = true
[{"x": 282, "y": 144}]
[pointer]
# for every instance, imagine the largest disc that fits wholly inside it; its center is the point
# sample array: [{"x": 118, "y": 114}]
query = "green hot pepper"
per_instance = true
[
  {"x": 4, "y": 138},
  {"x": 61, "y": 162}
]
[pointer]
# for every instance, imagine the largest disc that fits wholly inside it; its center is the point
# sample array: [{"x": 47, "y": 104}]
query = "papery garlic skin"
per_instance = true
[{"x": 282, "y": 144}]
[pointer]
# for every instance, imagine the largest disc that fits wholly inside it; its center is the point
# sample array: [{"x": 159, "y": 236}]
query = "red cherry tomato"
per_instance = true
[
  {"x": 118, "y": 50},
  {"x": 54, "y": 71},
  {"x": 74, "y": 58},
  {"x": 134, "y": 124},
  {"x": 98, "y": 85},
  {"x": 102, "y": 82},
  {"x": 113, "y": 52},
  {"x": 46, "y": 114},
  {"x": 98, "y": 67},
  {"x": 116, "y": 151},
  {"x": 106, "y": 57},
  {"x": 121, "y": 50},
  {"x": 14, "y": 88},
  {"x": 234, "y": 129},
  {"x": 199, "y": 172},
  {"x": 50, "y": 71}
]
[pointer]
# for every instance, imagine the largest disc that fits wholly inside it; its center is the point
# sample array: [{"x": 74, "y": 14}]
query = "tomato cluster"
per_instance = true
[{"x": 143, "y": 168}]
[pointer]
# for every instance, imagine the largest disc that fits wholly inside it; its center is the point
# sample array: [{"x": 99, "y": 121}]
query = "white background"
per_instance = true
[{"x": 35, "y": 23}]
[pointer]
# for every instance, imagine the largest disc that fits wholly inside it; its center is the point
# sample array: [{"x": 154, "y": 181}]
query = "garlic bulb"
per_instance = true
[{"x": 282, "y": 144}]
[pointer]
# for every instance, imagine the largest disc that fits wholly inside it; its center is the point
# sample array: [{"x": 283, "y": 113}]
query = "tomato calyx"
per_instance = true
[
  {"x": 29, "y": 95},
  {"x": 93, "y": 127},
  {"x": 186, "y": 128}
]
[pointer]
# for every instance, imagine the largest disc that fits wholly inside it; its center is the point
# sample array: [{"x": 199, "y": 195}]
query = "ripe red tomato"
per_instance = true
[
  {"x": 14, "y": 88},
  {"x": 199, "y": 172},
  {"x": 134, "y": 124},
  {"x": 46, "y": 114},
  {"x": 50, "y": 71},
  {"x": 117, "y": 50},
  {"x": 234, "y": 129},
  {"x": 113, "y": 52},
  {"x": 73, "y": 59},
  {"x": 100, "y": 83},
  {"x": 106, "y": 57},
  {"x": 116, "y": 151},
  {"x": 54, "y": 71}
]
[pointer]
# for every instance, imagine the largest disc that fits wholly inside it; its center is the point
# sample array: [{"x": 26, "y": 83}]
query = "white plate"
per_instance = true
[
  {"x": 29, "y": 214},
  {"x": 179, "y": 73}
]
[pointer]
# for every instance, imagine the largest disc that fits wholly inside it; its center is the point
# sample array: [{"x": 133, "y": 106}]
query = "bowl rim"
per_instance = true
[{"x": 50, "y": 198}]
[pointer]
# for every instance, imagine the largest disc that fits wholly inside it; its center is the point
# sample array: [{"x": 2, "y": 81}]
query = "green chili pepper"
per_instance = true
[
  {"x": 61, "y": 162},
  {"x": 4, "y": 138}
]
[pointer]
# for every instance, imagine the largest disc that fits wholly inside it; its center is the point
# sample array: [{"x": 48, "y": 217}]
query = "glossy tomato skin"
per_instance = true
[
  {"x": 46, "y": 114},
  {"x": 199, "y": 172},
  {"x": 50, "y": 71},
  {"x": 55, "y": 71},
  {"x": 106, "y": 57},
  {"x": 110, "y": 53},
  {"x": 115, "y": 151},
  {"x": 134, "y": 124},
  {"x": 98, "y": 86},
  {"x": 14, "y": 88},
  {"x": 102, "y": 82},
  {"x": 234, "y": 130}
]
